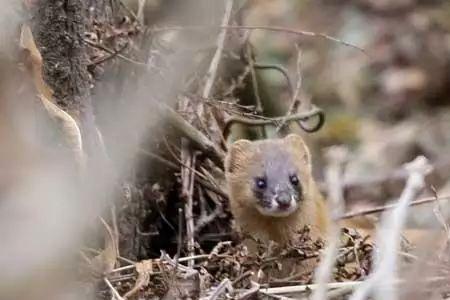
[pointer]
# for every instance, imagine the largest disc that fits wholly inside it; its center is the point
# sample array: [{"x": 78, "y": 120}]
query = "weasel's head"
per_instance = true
[{"x": 271, "y": 176}]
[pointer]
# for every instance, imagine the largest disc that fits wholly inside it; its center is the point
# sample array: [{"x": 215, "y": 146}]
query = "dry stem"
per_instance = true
[
  {"x": 267, "y": 28},
  {"x": 336, "y": 157},
  {"x": 381, "y": 281}
]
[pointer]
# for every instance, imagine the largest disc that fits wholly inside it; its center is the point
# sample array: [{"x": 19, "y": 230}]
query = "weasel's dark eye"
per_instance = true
[
  {"x": 294, "y": 180},
  {"x": 261, "y": 183}
]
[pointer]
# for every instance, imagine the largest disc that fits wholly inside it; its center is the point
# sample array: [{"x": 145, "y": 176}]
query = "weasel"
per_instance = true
[{"x": 272, "y": 192}]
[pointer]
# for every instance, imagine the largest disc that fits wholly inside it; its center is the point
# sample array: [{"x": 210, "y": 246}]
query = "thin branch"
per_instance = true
[
  {"x": 295, "y": 99},
  {"x": 283, "y": 71},
  {"x": 197, "y": 138},
  {"x": 113, "y": 290},
  {"x": 308, "y": 287},
  {"x": 336, "y": 156},
  {"x": 207, "y": 219},
  {"x": 298, "y": 32},
  {"x": 140, "y": 13},
  {"x": 303, "y": 116},
  {"x": 182, "y": 259},
  {"x": 187, "y": 176},
  {"x": 124, "y": 259},
  {"x": 212, "y": 71},
  {"x": 249, "y": 293},
  {"x": 268, "y": 28},
  {"x": 173, "y": 166},
  {"x": 129, "y": 11},
  {"x": 378, "y": 209},
  {"x": 214, "y": 65},
  {"x": 111, "y": 56},
  {"x": 183, "y": 165},
  {"x": 381, "y": 281},
  {"x": 113, "y": 52},
  {"x": 224, "y": 286},
  {"x": 335, "y": 285},
  {"x": 180, "y": 238},
  {"x": 251, "y": 62}
]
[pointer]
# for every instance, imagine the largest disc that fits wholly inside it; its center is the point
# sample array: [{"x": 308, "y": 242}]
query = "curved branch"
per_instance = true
[{"x": 299, "y": 117}]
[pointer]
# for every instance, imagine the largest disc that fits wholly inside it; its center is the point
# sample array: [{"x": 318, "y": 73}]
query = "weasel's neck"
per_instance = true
[
  {"x": 281, "y": 230},
  {"x": 312, "y": 212}
]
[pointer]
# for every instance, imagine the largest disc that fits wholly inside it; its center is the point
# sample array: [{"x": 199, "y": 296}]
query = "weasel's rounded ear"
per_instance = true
[
  {"x": 237, "y": 156},
  {"x": 299, "y": 147}
]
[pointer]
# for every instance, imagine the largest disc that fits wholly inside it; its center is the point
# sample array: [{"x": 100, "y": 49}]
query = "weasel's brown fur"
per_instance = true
[{"x": 242, "y": 159}]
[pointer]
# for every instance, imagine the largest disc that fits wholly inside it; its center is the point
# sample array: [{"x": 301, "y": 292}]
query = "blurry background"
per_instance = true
[{"x": 117, "y": 67}]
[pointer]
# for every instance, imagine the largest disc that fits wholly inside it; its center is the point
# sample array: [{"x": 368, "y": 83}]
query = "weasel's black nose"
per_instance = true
[{"x": 283, "y": 199}]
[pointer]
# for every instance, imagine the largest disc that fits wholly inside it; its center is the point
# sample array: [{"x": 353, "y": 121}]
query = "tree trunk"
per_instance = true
[{"x": 59, "y": 31}]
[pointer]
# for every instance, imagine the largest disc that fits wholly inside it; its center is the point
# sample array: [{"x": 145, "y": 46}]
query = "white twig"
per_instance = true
[
  {"x": 336, "y": 156},
  {"x": 336, "y": 285},
  {"x": 381, "y": 281},
  {"x": 224, "y": 286},
  {"x": 180, "y": 260},
  {"x": 140, "y": 12},
  {"x": 113, "y": 290},
  {"x": 307, "y": 287},
  {"x": 212, "y": 71}
]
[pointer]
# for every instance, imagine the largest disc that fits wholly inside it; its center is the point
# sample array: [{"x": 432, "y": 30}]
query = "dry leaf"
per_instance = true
[
  {"x": 144, "y": 268},
  {"x": 65, "y": 123},
  {"x": 69, "y": 127},
  {"x": 27, "y": 43},
  {"x": 107, "y": 259}
]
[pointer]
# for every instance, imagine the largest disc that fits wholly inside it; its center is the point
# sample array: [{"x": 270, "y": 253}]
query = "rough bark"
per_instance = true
[{"x": 59, "y": 31}]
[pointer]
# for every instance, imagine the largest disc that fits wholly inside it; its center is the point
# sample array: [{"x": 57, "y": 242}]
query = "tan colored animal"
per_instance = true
[
  {"x": 273, "y": 194},
  {"x": 272, "y": 191}
]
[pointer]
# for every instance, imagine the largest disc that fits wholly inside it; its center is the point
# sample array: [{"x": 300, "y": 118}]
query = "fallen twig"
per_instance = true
[
  {"x": 309, "y": 287},
  {"x": 335, "y": 285}
]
